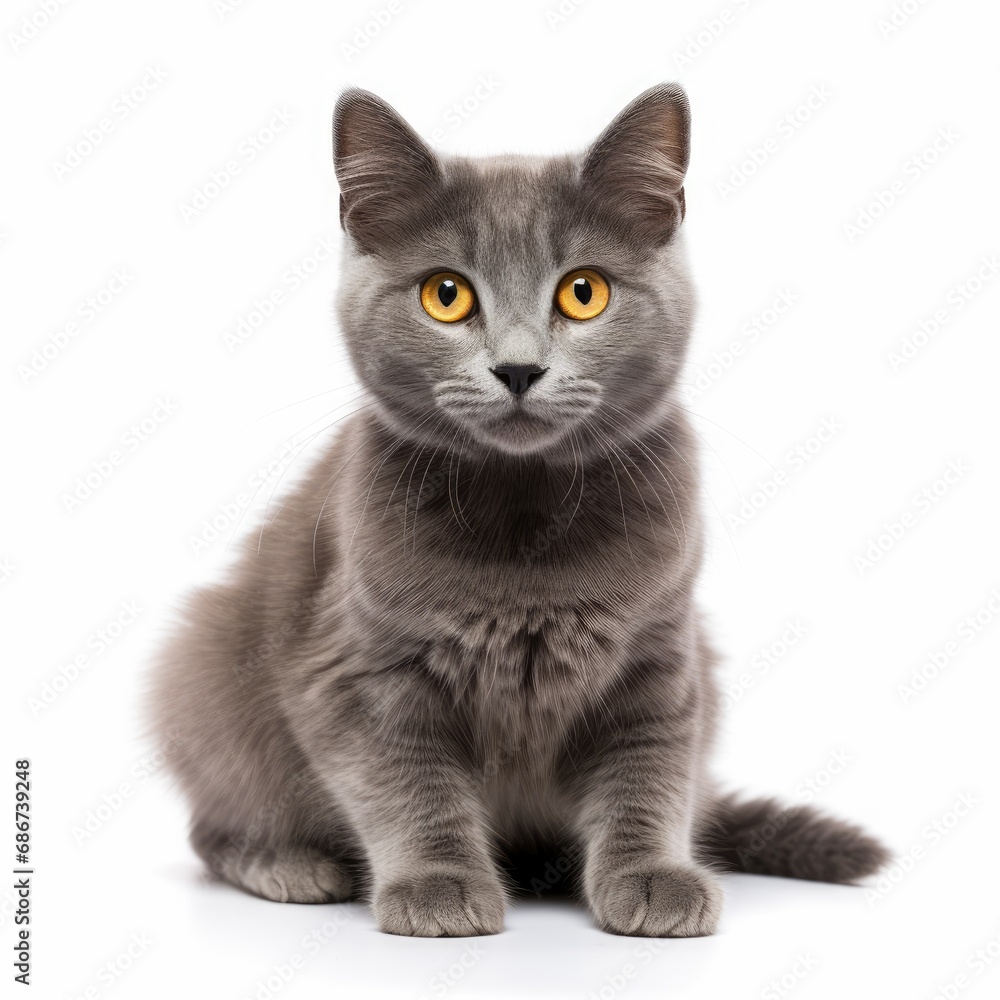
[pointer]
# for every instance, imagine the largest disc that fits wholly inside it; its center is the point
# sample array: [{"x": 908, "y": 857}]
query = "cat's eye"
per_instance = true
[
  {"x": 447, "y": 297},
  {"x": 582, "y": 294}
]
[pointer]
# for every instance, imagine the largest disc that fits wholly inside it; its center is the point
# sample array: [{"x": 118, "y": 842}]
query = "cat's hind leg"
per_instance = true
[{"x": 289, "y": 874}]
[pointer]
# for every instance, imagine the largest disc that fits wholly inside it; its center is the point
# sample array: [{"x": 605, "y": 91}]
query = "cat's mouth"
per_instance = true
[
  {"x": 528, "y": 423},
  {"x": 520, "y": 430},
  {"x": 519, "y": 416},
  {"x": 521, "y": 419}
]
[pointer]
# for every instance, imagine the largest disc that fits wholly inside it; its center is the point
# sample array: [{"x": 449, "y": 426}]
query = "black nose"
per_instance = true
[{"x": 518, "y": 378}]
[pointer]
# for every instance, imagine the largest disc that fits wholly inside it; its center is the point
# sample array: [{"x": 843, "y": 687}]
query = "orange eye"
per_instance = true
[
  {"x": 582, "y": 294},
  {"x": 447, "y": 297}
]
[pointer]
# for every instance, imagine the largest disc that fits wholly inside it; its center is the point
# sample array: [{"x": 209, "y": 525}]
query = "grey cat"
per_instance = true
[{"x": 469, "y": 635}]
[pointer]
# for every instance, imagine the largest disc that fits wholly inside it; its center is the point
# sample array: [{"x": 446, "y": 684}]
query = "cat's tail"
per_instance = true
[{"x": 763, "y": 837}]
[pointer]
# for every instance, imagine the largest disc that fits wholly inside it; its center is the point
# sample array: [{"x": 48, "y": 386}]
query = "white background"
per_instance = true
[{"x": 834, "y": 718}]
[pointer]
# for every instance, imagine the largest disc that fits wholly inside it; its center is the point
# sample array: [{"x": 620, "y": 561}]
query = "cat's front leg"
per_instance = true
[
  {"x": 640, "y": 876},
  {"x": 394, "y": 758}
]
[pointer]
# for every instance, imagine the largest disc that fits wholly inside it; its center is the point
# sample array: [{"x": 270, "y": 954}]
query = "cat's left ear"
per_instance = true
[
  {"x": 383, "y": 168},
  {"x": 638, "y": 163}
]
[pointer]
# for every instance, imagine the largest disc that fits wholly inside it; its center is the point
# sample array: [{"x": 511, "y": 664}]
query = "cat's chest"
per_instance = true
[
  {"x": 535, "y": 631},
  {"x": 525, "y": 671},
  {"x": 519, "y": 679},
  {"x": 535, "y": 628},
  {"x": 525, "y": 638}
]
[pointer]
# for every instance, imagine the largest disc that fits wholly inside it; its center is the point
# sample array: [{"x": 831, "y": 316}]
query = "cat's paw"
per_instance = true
[
  {"x": 661, "y": 901},
  {"x": 290, "y": 875},
  {"x": 440, "y": 904}
]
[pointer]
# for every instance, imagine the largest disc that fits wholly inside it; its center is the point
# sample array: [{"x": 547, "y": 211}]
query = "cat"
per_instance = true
[{"x": 469, "y": 634}]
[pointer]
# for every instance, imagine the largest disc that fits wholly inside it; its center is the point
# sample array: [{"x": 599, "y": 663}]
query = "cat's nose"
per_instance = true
[{"x": 518, "y": 378}]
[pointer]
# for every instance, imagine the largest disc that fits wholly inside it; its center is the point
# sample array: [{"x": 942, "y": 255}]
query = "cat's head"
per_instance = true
[{"x": 513, "y": 303}]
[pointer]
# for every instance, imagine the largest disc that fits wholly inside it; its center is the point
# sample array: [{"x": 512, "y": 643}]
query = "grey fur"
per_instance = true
[{"x": 470, "y": 633}]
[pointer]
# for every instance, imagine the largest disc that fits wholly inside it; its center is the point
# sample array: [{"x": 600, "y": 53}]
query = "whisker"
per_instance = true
[
  {"x": 583, "y": 472},
  {"x": 460, "y": 514},
  {"x": 746, "y": 444},
  {"x": 388, "y": 502},
  {"x": 575, "y": 464},
  {"x": 309, "y": 440},
  {"x": 296, "y": 451},
  {"x": 319, "y": 516},
  {"x": 300, "y": 402},
  {"x": 387, "y": 453},
  {"x": 416, "y": 507},
  {"x": 621, "y": 501}
]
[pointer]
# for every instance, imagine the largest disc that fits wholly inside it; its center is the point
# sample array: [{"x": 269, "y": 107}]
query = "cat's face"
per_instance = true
[{"x": 512, "y": 303}]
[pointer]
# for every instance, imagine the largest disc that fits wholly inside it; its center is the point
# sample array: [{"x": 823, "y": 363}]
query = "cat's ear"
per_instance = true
[
  {"x": 382, "y": 167},
  {"x": 637, "y": 165}
]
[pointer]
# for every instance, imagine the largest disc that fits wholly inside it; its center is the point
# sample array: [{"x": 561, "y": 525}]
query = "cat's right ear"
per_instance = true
[{"x": 382, "y": 166}]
